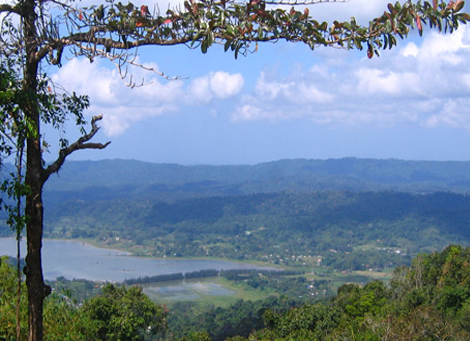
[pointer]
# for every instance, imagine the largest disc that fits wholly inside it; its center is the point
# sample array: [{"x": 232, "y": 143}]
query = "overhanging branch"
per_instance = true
[
  {"x": 114, "y": 30},
  {"x": 10, "y": 9},
  {"x": 81, "y": 143}
]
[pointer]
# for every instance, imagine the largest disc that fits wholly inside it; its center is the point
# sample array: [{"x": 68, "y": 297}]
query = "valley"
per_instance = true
[
  {"x": 323, "y": 224},
  {"x": 338, "y": 215}
]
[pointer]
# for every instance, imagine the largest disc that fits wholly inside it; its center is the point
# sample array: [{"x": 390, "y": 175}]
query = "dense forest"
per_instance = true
[
  {"x": 346, "y": 230},
  {"x": 427, "y": 300},
  {"x": 138, "y": 179},
  {"x": 350, "y": 214},
  {"x": 324, "y": 217}
]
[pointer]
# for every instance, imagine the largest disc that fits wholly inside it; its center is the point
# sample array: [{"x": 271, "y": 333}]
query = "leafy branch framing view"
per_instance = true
[{"x": 36, "y": 33}]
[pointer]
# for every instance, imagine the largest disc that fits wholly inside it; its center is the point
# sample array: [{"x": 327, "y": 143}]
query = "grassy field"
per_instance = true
[
  {"x": 221, "y": 292},
  {"x": 338, "y": 278},
  {"x": 213, "y": 290}
]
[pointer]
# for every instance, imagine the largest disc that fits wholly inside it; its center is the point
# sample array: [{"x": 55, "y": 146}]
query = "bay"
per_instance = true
[{"x": 78, "y": 260}]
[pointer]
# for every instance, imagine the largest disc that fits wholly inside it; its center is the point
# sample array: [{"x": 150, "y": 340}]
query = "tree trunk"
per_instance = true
[{"x": 37, "y": 289}]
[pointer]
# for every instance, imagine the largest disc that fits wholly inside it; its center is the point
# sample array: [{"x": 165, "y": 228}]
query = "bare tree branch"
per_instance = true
[{"x": 81, "y": 143}]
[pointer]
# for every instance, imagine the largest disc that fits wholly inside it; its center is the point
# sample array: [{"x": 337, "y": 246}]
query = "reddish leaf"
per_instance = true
[
  {"x": 370, "y": 51},
  {"x": 458, "y": 5},
  {"x": 144, "y": 10},
  {"x": 419, "y": 25}
]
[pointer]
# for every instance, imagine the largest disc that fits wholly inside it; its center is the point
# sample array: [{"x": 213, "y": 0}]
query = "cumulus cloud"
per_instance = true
[
  {"x": 110, "y": 96},
  {"x": 248, "y": 113},
  {"x": 123, "y": 106},
  {"x": 422, "y": 82},
  {"x": 372, "y": 81},
  {"x": 225, "y": 85},
  {"x": 452, "y": 114},
  {"x": 299, "y": 90},
  {"x": 219, "y": 85}
]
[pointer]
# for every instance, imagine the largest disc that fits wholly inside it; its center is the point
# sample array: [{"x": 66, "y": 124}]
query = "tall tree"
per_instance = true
[
  {"x": 12, "y": 142},
  {"x": 121, "y": 314},
  {"x": 40, "y": 31}
]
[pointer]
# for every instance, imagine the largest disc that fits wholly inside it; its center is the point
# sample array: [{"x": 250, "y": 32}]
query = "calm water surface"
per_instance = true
[{"x": 72, "y": 259}]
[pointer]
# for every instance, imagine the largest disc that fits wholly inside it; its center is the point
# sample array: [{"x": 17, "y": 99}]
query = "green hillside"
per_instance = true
[
  {"x": 347, "y": 230},
  {"x": 298, "y": 175},
  {"x": 346, "y": 213},
  {"x": 428, "y": 300}
]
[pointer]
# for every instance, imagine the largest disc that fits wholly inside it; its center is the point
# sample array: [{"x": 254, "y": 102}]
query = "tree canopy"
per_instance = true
[
  {"x": 427, "y": 300},
  {"x": 36, "y": 33}
]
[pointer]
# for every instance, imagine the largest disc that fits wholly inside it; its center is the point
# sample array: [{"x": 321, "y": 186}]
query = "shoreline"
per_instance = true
[
  {"x": 129, "y": 253},
  {"x": 97, "y": 244}
]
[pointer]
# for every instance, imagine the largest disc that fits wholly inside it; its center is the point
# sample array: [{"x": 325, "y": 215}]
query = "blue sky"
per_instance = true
[{"x": 285, "y": 101}]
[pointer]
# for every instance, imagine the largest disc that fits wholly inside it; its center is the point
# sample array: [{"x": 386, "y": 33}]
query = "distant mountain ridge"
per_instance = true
[
  {"x": 296, "y": 175},
  {"x": 369, "y": 212}
]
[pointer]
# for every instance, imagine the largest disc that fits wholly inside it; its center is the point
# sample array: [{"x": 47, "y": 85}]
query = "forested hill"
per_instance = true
[
  {"x": 300, "y": 175},
  {"x": 347, "y": 229},
  {"x": 349, "y": 213}
]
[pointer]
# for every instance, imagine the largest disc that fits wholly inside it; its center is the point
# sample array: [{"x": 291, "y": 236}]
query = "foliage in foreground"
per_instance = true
[
  {"x": 36, "y": 33},
  {"x": 62, "y": 322},
  {"x": 119, "y": 313},
  {"x": 123, "y": 314},
  {"x": 428, "y": 300}
]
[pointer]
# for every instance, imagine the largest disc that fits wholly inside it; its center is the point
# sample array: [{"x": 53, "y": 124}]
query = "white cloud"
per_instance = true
[
  {"x": 301, "y": 89},
  {"x": 200, "y": 90},
  {"x": 270, "y": 90},
  {"x": 220, "y": 85},
  {"x": 452, "y": 114},
  {"x": 387, "y": 82},
  {"x": 411, "y": 84},
  {"x": 310, "y": 93},
  {"x": 424, "y": 82},
  {"x": 121, "y": 105},
  {"x": 225, "y": 85},
  {"x": 109, "y": 95},
  {"x": 88, "y": 78},
  {"x": 410, "y": 49},
  {"x": 248, "y": 113}
]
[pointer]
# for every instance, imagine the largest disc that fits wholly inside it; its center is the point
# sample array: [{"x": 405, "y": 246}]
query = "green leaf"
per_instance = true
[
  {"x": 358, "y": 44},
  {"x": 227, "y": 45},
  {"x": 204, "y": 46}
]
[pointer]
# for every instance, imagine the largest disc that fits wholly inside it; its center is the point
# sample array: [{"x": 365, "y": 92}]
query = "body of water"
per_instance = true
[{"x": 72, "y": 259}]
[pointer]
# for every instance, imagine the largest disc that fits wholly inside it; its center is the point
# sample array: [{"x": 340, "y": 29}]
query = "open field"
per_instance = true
[
  {"x": 213, "y": 290},
  {"x": 219, "y": 291}
]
